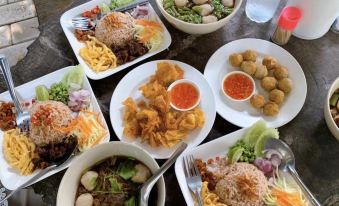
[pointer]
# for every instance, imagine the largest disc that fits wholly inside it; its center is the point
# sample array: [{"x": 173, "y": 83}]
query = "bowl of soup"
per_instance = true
[{"x": 107, "y": 174}]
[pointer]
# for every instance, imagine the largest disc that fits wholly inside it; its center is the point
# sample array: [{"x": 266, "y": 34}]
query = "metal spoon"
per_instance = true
[
  {"x": 146, "y": 188},
  {"x": 60, "y": 162},
  {"x": 288, "y": 165}
]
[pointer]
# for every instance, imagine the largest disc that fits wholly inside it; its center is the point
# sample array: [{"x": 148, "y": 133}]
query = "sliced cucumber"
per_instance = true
[
  {"x": 260, "y": 144},
  {"x": 74, "y": 76},
  {"x": 41, "y": 93},
  {"x": 254, "y": 133},
  {"x": 334, "y": 99}
]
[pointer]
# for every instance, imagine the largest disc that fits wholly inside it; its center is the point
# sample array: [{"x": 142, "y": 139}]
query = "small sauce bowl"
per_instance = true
[
  {"x": 185, "y": 96},
  {"x": 244, "y": 84}
]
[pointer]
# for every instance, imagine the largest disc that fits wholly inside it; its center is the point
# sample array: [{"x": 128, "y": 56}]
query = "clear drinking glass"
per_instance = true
[{"x": 261, "y": 11}]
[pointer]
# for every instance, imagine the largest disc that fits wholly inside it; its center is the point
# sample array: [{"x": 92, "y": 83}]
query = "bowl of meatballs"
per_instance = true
[{"x": 198, "y": 16}]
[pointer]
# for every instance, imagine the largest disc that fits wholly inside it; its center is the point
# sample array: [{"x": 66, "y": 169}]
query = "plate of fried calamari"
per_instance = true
[{"x": 161, "y": 103}]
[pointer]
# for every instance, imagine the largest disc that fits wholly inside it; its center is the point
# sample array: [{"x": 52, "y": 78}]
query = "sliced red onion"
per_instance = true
[
  {"x": 275, "y": 160},
  {"x": 140, "y": 11},
  {"x": 79, "y": 100},
  {"x": 269, "y": 152},
  {"x": 258, "y": 161},
  {"x": 267, "y": 166}
]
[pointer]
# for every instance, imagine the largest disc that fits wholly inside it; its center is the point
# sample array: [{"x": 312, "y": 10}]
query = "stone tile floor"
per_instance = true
[{"x": 18, "y": 28}]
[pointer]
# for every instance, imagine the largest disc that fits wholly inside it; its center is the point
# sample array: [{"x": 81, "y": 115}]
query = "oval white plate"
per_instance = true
[
  {"x": 243, "y": 114},
  {"x": 129, "y": 87},
  {"x": 66, "y": 24}
]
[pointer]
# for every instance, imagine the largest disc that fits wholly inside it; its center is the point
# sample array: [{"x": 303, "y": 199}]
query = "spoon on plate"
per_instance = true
[
  {"x": 59, "y": 162},
  {"x": 288, "y": 165},
  {"x": 146, "y": 188}
]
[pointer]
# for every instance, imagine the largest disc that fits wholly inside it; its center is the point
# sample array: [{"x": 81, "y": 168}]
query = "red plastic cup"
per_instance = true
[{"x": 289, "y": 17}]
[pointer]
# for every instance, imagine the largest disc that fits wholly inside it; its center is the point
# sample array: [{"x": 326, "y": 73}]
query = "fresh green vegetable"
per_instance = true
[
  {"x": 235, "y": 153},
  {"x": 115, "y": 185},
  {"x": 185, "y": 14},
  {"x": 130, "y": 202},
  {"x": 59, "y": 92},
  {"x": 126, "y": 169},
  {"x": 220, "y": 11},
  {"x": 41, "y": 93},
  {"x": 241, "y": 152},
  {"x": 260, "y": 144},
  {"x": 104, "y": 8},
  {"x": 254, "y": 132},
  {"x": 74, "y": 76},
  {"x": 119, "y": 3},
  {"x": 334, "y": 99}
]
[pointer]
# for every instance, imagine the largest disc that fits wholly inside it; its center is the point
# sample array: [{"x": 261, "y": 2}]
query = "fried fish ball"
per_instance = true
[
  {"x": 277, "y": 96},
  {"x": 270, "y": 62},
  {"x": 258, "y": 101},
  {"x": 248, "y": 67},
  {"x": 261, "y": 71},
  {"x": 285, "y": 85},
  {"x": 271, "y": 109},
  {"x": 250, "y": 55},
  {"x": 280, "y": 72},
  {"x": 268, "y": 83},
  {"x": 235, "y": 59}
]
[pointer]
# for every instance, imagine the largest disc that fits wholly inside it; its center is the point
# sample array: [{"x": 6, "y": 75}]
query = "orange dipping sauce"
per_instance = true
[
  {"x": 238, "y": 86},
  {"x": 184, "y": 95}
]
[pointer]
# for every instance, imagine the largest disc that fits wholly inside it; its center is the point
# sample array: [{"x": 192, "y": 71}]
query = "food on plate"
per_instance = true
[
  {"x": 249, "y": 67},
  {"x": 196, "y": 11},
  {"x": 238, "y": 86},
  {"x": 42, "y": 93},
  {"x": 97, "y": 55},
  {"x": 285, "y": 85},
  {"x": 79, "y": 100},
  {"x": 154, "y": 121},
  {"x": 210, "y": 198},
  {"x": 270, "y": 62},
  {"x": 235, "y": 59},
  {"x": 334, "y": 107},
  {"x": 112, "y": 181},
  {"x": 269, "y": 83},
  {"x": 271, "y": 109},
  {"x": 119, "y": 3},
  {"x": 280, "y": 72},
  {"x": 276, "y": 96},
  {"x": 7, "y": 116},
  {"x": 184, "y": 95},
  {"x": 58, "y": 92},
  {"x": 83, "y": 35},
  {"x": 261, "y": 71},
  {"x": 257, "y": 101},
  {"x": 19, "y": 151},
  {"x": 250, "y": 55},
  {"x": 128, "y": 52},
  {"x": 149, "y": 33}
]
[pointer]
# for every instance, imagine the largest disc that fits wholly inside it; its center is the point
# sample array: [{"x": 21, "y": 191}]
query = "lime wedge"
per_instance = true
[
  {"x": 254, "y": 132},
  {"x": 41, "y": 93},
  {"x": 260, "y": 144},
  {"x": 235, "y": 153}
]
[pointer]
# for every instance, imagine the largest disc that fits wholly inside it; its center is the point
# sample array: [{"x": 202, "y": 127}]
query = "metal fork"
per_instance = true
[
  {"x": 193, "y": 177},
  {"x": 22, "y": 116}
]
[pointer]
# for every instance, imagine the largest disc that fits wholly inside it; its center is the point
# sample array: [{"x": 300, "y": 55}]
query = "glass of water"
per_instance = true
[{"x": 261, "y": 11}]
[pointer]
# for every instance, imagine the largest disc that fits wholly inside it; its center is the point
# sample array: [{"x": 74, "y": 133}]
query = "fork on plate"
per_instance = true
[
  {"x": 22, "y": 116},
  {"x": 193, "y": 177}
]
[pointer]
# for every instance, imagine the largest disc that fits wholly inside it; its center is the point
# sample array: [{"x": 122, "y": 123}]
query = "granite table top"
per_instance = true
[{"x": 315, "y": 149}]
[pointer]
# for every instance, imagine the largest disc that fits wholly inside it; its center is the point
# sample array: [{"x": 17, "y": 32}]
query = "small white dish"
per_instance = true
[
  {"x": 191, "y": 83},
  {"x": 243, "y": 114},
  {"x": 129, "y": 87},
  {"x": 70, "y": 181},
  {"x": 8, "y": 176},
  {"x": 327, "y": 113},
  {"x": 231, "y": 98},
  {"x": 66, "y": 24}
]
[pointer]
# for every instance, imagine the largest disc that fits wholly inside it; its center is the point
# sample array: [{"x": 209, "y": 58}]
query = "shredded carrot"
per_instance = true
[
  {"x": 287, "y": 199},
  {"x": 144, "y": 22}
]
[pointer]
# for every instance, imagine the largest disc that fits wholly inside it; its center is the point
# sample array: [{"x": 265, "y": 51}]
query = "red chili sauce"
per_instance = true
[
  {"x": 184, "y": 95},
  {"x": 238, "y": 86}
]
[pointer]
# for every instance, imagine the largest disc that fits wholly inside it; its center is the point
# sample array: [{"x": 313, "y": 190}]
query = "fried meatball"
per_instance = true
[
  {"x": 261, "y": 71},
  {"x": 285, "y": 85},
  {"x": 268, "y": 83},
  {"x": 280, "y": 72},
  {"x": 257, "y": 101},
  {"x": 270, "y": 62},
  {"x": 276, "y": 96},
  {"x": 250, "y": 55},
  {"x": 235, "y": 60},
  {"x": 248, "y": 67},
  {"x": 271, "y": 109}
]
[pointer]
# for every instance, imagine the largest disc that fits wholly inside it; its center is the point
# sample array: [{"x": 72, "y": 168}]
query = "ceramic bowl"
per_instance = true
[
  {"x": 70, "y": 181},
  {"x": 230, "y": 98},
  {"x": 197, "y": 28},
  {"x": 327, "y": 113}
]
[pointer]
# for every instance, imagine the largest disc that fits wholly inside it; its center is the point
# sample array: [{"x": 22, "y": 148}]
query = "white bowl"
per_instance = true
[
  {"x": 327, "y": 113},
  {"x": 197, "y": 28},
  {"x": 191, "y": 83},
  {"x": 69, "y": 183},
  {"x": 230, "y": 98}
]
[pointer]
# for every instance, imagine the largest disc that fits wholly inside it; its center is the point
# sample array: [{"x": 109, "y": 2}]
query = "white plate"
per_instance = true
[
  {"x": 243, "y": 114},
  {"x": 66, "y": 25},
  {"x": 9, "y": 177},
  {"x": 129, "y": 87},
  {"x": 212, "y": 149}
]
